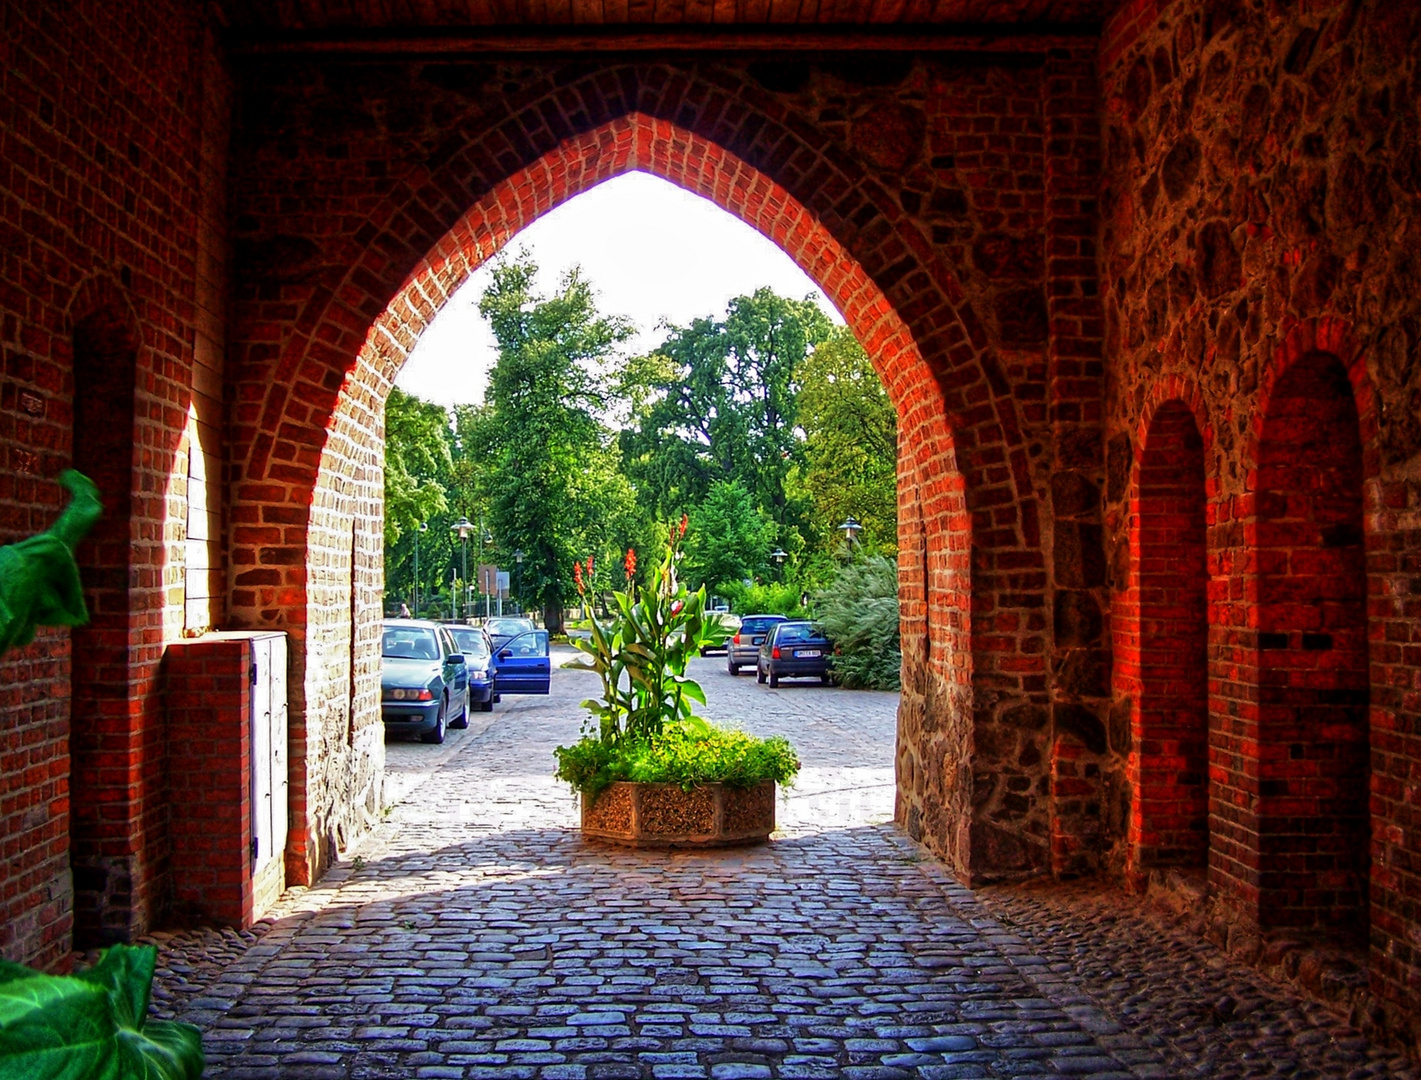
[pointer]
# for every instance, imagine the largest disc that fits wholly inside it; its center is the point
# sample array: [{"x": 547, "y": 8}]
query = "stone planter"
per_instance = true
[{"x": 664, "y": 816}]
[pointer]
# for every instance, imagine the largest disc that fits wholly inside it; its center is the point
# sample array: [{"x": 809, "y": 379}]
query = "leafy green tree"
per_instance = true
[
  {"x": 729, "y": 538},
  {"x": 552, "y": 482},
  {"x": 850, "y": 446},
  {"x": 418, "y": 467},
  {"x": 718, "y": 402}
]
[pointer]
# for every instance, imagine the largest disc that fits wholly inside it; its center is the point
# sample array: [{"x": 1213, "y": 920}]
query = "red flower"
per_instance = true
[
  {"x": 685, "y": 520},
  {"x": 589, "y": 568},
  {"x": 577, "y": 574},
  {"x": 630, "y": 563}
]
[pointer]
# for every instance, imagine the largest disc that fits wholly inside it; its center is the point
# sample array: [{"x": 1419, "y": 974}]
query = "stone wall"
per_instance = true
[{"x": 1259, "y": 256}]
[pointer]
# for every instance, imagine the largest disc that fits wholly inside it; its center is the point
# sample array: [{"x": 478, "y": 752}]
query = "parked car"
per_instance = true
[
  {"x": 523, "y": 664},
  {"x": 744, "y": 645},
  {"x": 424, "y": 682},
  {"x": 474, "y": 643},
  {"x": 731, "y": 624},
  {"x": 794, "y": 650}
]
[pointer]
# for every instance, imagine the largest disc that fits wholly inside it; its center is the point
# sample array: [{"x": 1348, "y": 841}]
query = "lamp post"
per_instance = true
[
  {"x": 779, "y": 555},
  {"x": 518, "y": 580},
  {"x": 462, "y": 527},
  {"x": 850, "y": 528},
  {"x": 423, "y": 527}
]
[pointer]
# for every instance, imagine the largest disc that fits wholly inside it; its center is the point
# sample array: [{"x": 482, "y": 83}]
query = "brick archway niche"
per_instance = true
[
  {"x": 312, "y": 488},
  {"x": 1161, "y": 649},
  {"x": 1289, "y": 664}
]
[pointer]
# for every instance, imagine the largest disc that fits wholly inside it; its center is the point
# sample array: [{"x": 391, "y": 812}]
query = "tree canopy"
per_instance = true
[{"x": 767, "y": 427}]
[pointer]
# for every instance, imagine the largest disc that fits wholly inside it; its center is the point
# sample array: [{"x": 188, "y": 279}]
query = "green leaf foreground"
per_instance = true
[{"x": 92, "y": 1025}]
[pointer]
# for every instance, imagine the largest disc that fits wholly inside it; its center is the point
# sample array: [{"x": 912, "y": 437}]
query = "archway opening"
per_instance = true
[
  {"x": 1166, "y": 658},
  {"x": 344, "y": 440},
  {"x": 1312, "y": 654}
]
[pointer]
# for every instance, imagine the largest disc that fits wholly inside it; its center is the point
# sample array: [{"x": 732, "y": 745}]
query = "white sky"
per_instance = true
[{"x": 651, "y": 250}]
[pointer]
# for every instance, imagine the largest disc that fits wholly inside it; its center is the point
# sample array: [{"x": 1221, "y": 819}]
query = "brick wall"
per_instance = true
[
  {"x": 207, "y": 699},
  {"x": 916, "y": 199},
  {"x": 1254, "y": 157},
  {"x": 100, "y": 149}
]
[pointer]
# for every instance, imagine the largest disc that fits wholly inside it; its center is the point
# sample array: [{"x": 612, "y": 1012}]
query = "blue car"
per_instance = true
[
  {"x": 794, "y": 650},
  {"x": 474, "y": 643},
  {"x": 524, "y": 665},
  {"x": 424, "y": 682}
]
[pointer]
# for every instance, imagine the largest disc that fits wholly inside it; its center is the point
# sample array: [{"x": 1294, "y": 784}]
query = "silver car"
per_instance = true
[{"x": 743, "y": 648}]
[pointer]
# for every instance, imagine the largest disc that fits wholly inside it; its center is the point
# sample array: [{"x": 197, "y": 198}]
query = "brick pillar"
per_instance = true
[{"x": 1085, "y": 778}]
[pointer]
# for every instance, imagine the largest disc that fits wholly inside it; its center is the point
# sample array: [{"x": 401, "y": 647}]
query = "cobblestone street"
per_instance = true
[{"x": 474, "y": 934}]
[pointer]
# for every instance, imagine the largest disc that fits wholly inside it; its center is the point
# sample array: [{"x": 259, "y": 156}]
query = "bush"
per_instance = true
[
  {"x": 858, "y": 611},
  {"x": 768, "y": 599},
  {"x": 688, "y": 754}
]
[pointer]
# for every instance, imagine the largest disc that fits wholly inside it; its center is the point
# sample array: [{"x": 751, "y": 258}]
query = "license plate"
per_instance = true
[{"x": 804, "y": 654}]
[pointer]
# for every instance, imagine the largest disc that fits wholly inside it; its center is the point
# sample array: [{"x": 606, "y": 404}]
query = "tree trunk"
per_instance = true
[{"x": 552, "y": 617}]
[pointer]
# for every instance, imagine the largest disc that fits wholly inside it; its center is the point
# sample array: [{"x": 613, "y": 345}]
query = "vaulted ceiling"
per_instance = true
[{"x": 268, "y": 16}]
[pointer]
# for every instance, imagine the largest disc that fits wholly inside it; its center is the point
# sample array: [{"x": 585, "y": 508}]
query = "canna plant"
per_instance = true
[
  {"x": 644, "y": 727},
  {"x": 641, "y": 652}
]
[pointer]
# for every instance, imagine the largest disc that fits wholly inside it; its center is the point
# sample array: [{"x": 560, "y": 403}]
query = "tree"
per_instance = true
[
  {"x": 729, "y": 538},
  {"x": 717, "y": 402},
  {"x": 417, "y": 470},
  {"x": 850, "y": 446},
  {"x": 552, "y": 483}
]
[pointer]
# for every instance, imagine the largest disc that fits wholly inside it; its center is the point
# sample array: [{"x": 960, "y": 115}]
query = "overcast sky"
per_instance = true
[{"x": 651, "y": 250}]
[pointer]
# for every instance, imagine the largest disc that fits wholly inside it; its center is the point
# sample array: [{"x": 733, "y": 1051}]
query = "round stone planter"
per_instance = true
[{"x": 664, "y": 816}]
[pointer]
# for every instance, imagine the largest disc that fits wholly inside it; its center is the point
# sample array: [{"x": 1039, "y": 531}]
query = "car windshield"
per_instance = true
[
  {"x": 754, "y": 624},
  {"x": 792, "y": 632},
  {"x": 410, "y": 643},
  {"x": 471, "y": 643},
  {"x": 505, "y": 627}
]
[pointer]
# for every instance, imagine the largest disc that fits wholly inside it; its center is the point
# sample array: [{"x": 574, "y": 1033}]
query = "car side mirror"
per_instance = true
[
  {"x": 505, "y": 654},
  {"x": 455, "y": 658}
]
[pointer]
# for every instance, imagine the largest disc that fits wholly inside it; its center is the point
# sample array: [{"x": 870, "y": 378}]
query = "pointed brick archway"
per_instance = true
[{"x": 307, "y": 512}]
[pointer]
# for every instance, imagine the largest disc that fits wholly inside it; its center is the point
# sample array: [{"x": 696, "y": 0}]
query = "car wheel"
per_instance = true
[
  {"x": 759, "y": 674},
  {"x": 496, "y": 697},
  {"x": 704, "y": 652},
  {"x": 463, "y": 720},
  {"x": 774, "y": 679},
  {"x": 486, "y": 706},
  {"x": 440, "y": 726},
  {"x": 824, "y": 678},
  {"x": 734, "y": 669}
]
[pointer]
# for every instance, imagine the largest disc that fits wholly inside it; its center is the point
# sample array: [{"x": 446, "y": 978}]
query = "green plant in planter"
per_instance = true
[
  {"x": 644, "y": 727},
  {"x": 92, "y": 1025}
]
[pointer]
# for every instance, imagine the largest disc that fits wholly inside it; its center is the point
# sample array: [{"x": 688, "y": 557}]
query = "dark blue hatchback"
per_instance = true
[{"x": 794, "y": 650}]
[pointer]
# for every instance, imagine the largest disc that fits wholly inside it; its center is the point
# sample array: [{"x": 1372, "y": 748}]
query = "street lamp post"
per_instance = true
[
  {"x": 779, "y": 555},
  {"x": 423, "y": 527},
  {"x": 462, "y": 527},
  {"x": 850, "y": 528},
  {"x": 518, "y": 580}
]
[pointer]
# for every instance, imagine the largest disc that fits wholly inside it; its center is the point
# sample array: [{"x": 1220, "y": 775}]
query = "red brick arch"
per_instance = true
[
  {"x": 1291, "y": 649},
  {"x": 309, "y": 416}
]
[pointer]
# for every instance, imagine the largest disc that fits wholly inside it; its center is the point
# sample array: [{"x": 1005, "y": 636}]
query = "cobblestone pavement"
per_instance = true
[{"x": 474, "y": 934}]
